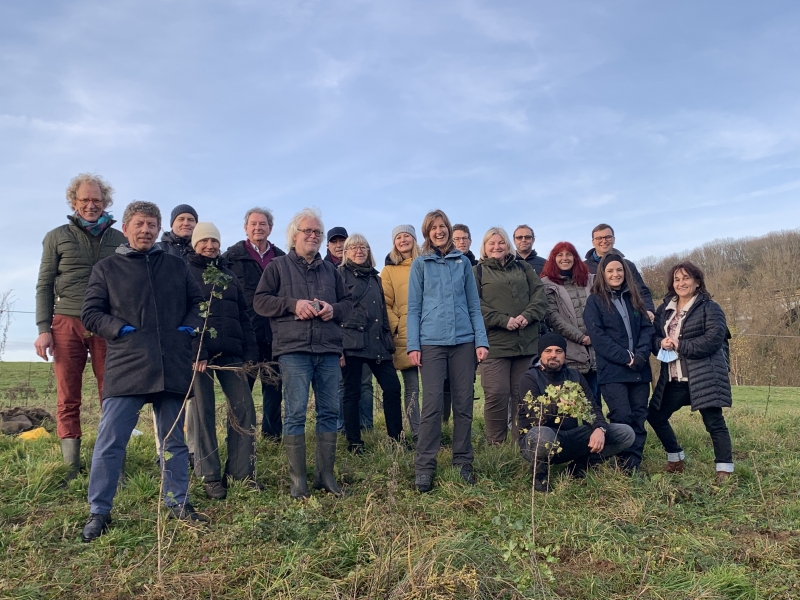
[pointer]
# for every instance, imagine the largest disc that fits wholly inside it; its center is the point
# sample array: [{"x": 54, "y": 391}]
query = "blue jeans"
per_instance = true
[
  {"x": 120, "y": 414},
  {"x": 299, "y": 370}
]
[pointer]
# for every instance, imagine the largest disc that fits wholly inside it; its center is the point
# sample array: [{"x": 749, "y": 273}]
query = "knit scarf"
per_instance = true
[
  {"x": 364, "y": 270},
  {"x": 99, "y": 226}
]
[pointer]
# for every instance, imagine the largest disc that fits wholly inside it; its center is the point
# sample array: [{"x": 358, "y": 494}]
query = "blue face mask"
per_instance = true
[{"x": 667, "y": 356}]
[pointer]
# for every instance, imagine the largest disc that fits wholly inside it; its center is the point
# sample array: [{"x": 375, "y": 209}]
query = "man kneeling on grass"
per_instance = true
[
  {"x": 146, "y": 304},
  {"x": 547, "y": 438}
]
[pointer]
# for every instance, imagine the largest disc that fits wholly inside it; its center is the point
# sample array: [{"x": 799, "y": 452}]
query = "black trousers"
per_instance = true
[
  {"x": 676, "y": 396},
  {"x": 627, "y": 404},
  {"x": 387, "y": 378},
  {"x": 271, "y": 396},
  {"x": 240, "y": 432}
]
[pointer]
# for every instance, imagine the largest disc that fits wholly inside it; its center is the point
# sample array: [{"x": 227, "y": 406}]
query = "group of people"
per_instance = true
[{"x": 159, "y": 329}]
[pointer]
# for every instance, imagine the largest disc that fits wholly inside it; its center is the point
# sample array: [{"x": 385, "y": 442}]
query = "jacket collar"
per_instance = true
[
  {"x": 592, "y": 255},
  {"x": 172, "y": 238},
  {"x": 126, "y": 250},
  {"x": 204, "y": 261},
  {"x": 299, "y": 259},
  {"x": 454, "y": 253}
]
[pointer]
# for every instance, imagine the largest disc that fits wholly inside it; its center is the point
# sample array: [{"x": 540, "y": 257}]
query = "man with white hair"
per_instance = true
[
  {"x": 70, "y": 252},
  {"x": 306, "y": 300}
]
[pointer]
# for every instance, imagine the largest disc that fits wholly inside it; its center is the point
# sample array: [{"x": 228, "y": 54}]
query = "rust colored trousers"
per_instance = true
[{"x": 71, "y": 343}]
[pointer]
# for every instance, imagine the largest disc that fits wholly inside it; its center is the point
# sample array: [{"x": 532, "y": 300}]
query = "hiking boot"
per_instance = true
[
  {"x": 722, "y": 477},
  {"x": 468, "y": 474},
  {"x": 186, "y": 512},
  {"x": 674, "y": 466},
  {"x": 324, "y": 478},
  {"x": 424, "y": 483},
  {"x": 356, "y": 449},
  {"x": 216, "y": 490},
  {"x": 96, "y": 526},
  {"x": 71, "y": 450}
]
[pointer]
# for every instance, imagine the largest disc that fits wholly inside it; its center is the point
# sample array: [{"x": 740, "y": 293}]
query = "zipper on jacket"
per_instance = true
[{"x": 158, "y": 323}]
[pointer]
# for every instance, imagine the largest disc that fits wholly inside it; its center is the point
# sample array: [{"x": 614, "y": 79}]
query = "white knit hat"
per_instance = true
[
  {"x": 409, "y": 229},
  {"x": 204, "y": 231}
]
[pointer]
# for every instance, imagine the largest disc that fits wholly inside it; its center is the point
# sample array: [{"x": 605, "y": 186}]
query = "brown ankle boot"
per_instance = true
[
  {"x": 722, "y": 477},
  {"x": 674, "y": 466}
]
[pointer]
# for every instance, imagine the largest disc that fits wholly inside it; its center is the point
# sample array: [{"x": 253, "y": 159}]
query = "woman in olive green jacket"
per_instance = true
[{"x": 513, "y": 303}]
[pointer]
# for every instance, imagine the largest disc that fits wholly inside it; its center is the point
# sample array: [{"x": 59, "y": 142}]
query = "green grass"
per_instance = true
[{"x": 607, "y": 536}]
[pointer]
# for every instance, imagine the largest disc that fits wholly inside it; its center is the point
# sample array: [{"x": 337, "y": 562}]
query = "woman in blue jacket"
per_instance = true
[
  {"x": 445, "y": 335},
  {"x": 621, "y": 334}
]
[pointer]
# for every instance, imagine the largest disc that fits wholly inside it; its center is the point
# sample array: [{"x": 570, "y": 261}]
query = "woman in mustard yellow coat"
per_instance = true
[{"x": 395, "y": 289}]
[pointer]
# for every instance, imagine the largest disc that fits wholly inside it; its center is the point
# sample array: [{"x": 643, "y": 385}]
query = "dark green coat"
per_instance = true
[
  {"x": 507, "y": 290},
  {"x": 67, "y": 260}
]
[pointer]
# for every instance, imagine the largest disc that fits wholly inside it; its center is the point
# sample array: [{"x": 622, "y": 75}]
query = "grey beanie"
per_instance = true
[
  {"x": 409, "y": 229},
  {"x": 179, "y": 210}
]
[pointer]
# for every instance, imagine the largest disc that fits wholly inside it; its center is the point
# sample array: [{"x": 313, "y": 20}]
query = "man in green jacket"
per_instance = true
[{"x": 70, "y": 252}]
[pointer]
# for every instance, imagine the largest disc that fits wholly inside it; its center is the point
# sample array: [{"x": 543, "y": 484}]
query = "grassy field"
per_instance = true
[{"x": 607, "y": 536}]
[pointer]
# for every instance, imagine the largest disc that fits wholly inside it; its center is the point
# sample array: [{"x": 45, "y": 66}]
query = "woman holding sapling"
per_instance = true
[
  {"x": 689, "y": 340},
  {"x": 445, "y": 336},
  {"x": 233, "y": 343},
  {"x": 394, "y": 278},
  {"x": 367, "y": 340},
  {"x": 621, "y": 333}
]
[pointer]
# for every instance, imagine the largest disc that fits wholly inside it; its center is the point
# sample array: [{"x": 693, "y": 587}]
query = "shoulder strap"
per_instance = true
[{"x": 479, "y": 279}]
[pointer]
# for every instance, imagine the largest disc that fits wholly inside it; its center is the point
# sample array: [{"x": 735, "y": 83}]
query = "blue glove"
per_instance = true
[
  {"x": 186, "y": 329},
  {"x": 126, "y": 330}
]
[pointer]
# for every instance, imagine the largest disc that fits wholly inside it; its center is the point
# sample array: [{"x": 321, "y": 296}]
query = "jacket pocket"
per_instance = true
[
  {"x": 290, "y": 331},
  {"x": 353, "y": 336}
]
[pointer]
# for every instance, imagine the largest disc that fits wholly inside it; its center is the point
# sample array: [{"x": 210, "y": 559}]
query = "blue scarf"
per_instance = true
[{"x": 99, "y": 226}]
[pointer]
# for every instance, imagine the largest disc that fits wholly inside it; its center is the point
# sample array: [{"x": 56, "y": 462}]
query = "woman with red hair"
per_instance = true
[{"x": 567, "y": 283}]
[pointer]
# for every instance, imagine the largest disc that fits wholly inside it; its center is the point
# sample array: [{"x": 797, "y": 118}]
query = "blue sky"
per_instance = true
[{"x": 676, "y": 122}]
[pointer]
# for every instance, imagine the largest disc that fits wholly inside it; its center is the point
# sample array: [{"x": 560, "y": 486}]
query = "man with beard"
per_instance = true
[{"x": 580, "y": 444}]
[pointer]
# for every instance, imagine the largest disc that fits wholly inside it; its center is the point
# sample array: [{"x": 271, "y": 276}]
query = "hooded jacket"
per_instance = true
[
  {"x": 172, "y": 243},
  {"x": 228, "y": 316},
  {"x": 565, "y": 306},
  {"x": 443, "y": 304},
  {"x": 610, "y": 340},
  {"x": 366, "y": 332},
  {"x": 248, "y": 271},
  {"x": 592, "y": 263},
  {"x": 395, "y": 292},
  {"x": 68, "y": 256},
  {"x": 507, "y": 289},
  {"x": 154, "y": 293},
  {"x": 290, "y": 278},
  {"x": 701, "y": 350}
]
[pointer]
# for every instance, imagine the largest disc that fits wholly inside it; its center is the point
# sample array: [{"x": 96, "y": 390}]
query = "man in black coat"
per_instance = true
[
  {"x": 145, "y": 303},
  {"x": 178, "y": 241},
  {"x": 603, "y": 242},
  {"x": 579, "y": 443},
  {"x": 248, "y": 259},
  {"x": 462, "y": 238}
]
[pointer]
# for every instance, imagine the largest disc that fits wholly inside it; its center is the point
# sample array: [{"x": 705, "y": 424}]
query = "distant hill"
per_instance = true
[{"x": 757, "y": 282}]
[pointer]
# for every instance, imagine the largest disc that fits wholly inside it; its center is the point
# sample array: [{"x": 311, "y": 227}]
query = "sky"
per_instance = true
[{"x": 676, "y": 122}]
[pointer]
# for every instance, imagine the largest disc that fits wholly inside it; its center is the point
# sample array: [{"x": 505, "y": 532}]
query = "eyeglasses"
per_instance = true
[
  {"x": 310, "y": 232},
  {"x": 605, "y": 238},
  {"x": 87, "y": 201},
  {"x": 523, "y": 237},
  {"x": 460, "y": 239},
  {"x": 359, "y": 248}
]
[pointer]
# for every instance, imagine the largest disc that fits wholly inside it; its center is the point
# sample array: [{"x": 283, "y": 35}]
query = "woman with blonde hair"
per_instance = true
[
  {"x": 367, "y": 340},
  {"x": 512, "y": 304},
  {"x": 395, "y": 291},
  {"x": 445, "y": 335}
]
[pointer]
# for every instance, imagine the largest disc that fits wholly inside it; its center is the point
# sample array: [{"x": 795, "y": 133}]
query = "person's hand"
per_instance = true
[
  {"x": 326, "y": 312},
  {"x": 630, "y": 364},
  {"x": 666, "y": 344},
  {"x": 415, "y": 356},
  {"x": 523, "y": 322},
  {"x": 342, "y": 362},
  {"x": 481, "y": 353},
  {"x": 304, "y": 310},
  {"x": 586, "y": 341},
  {"x": 597, "y": 441},
  {"x": 651, "y": 316},
  {"x": 512, "y": 324},
  {"x": 44, "y": 343},
  {"x": 200, "y": 366}
]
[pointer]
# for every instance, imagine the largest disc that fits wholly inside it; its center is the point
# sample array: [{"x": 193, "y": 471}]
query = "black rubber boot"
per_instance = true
[
  {"x": 71, "y": 450},
  {"x": 323, "y": 467},
  {"x": 296, "y": 453}
]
